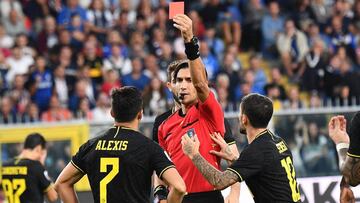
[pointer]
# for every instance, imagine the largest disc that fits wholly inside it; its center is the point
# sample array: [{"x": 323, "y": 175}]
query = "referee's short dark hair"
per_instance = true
[
  {"x": 126, "y": 103},
  {"x": 258, "y": 108},
  {"x": 33, "y": 140},
  {"x": 173, "y": 66},
  {"x": 184, "y": 64}
]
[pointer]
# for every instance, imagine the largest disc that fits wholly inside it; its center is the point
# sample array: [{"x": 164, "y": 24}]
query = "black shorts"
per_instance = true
[{"x": 204, "y": 197}]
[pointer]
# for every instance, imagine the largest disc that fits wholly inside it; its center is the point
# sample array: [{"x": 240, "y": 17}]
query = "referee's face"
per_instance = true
[{"x": 186, "y": 90}]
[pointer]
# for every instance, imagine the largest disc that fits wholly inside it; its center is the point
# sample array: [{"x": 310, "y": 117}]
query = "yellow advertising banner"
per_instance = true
[{"x": 64, "y": 140}]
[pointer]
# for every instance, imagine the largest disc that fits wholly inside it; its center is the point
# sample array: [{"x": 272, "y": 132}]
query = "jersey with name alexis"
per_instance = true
[
  {"x": 25, "y": 180},
  {"x": 119, "y": 165},
  {"x": 266, "y": 165}
]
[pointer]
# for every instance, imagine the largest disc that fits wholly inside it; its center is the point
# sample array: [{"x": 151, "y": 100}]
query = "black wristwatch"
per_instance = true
[{"x": 192, "y": 49}]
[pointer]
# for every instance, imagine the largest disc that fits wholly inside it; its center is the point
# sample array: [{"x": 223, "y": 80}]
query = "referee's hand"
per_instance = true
[
  {"x": 184, "y": 24},
  {"x": 190, "y": 146}
]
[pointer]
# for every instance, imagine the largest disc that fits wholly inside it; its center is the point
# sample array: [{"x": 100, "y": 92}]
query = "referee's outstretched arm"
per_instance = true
[{"x": 197, "y": 68}]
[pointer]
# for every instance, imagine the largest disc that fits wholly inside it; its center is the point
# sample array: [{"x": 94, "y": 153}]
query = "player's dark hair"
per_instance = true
[
  {"x": 173, "y": 66},
  {"x": 33, "y": 140},
  {"x": 258, "y": 109},
  {"x": 126, "y": 103}
]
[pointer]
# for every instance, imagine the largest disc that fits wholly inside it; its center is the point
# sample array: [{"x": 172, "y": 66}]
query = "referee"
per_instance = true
[
  {"x": 266, "y": 164},
  {"x": 160, "y": 190},
  {"x": 199, "y": 112},
  {"x": 119, "y": 164},
  {"x": 24, "y": 179}
]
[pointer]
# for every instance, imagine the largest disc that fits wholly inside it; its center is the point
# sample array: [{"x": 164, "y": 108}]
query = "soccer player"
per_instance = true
[
  {"x": 200, "y": 112},
  {"x": 120, "y": 163},
  {"x": 160, "y": 190},
  {"x": 265, "y": 164},
  {"x": 348, "y": 152},
  {"x": 24, "y": 179}
]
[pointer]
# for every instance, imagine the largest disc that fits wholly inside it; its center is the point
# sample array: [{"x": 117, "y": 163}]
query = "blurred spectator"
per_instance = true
[
  {"x": 4, "y": 68},
  {"x": 6, "y": 41},
  {"x": 254, "y": 12},
  {"x": 22, "y": 42},
  {"x": 122, "y": 25},
  {"x": 7, "y": 5},
  {"x": 67, "y": 12},
  {"x": 314, "y": 35},
  {"x": 81, "y": 92},
  {"x": 210, "y": 61},
  {"x": 102, "y": 110},
  {"x": 155, "y": 97},
  {"x": 152, "y": 68},
  {"x": 136, "y": 78},
  {"x": 316, "y": 153},
  {"x": 248, "y": 86},
  {"x": 166, "y": 56},
  {"x": 42, "y": 84},
  {"x": 199, "y": 27},
  {"x": 94, "y": 62},
  {"x": 293, "y": 101},
  {"x": 315, "y": 100},
  {"x": 272, "y": 25},
  {"x": 111, "y": 80},
  {"x": 340, "y": 36},
  {"x": 315, "y": 65},
  {"x": 277, "y": 81},
  {"x": 273, "y": 92},
  {"x": 260, "y": 79},
  {"x": 303, "y": 15},
  {"x": 292, "y": 45},
  {"x": 18, "y": 63},
  {"x": 157, "y": 39},
  {"x": 228, "y": 69},
  {"x": 84, "y": 111},
  {"x": 32, "y": 114},
  {"x": 123, "y": 6},
  {"x": 7, "y": 111},
  {"x": 216, "y": 45},
  {"x": 100, "y": 19},
  {"x": 14, "y": 24},
  {"x": 321, "y": 11},
  {"x": 55, "y": 112},
  {"x": 19, "y": 95},
  {"x": 61, "y": 88},
  {"x": 83, "y": 76},
  {"x": 36, "y": 10},
  {"x": 47, "y": 38},
  {"x": 117, "y": 61},
  {"x": 138, "y": 47}
]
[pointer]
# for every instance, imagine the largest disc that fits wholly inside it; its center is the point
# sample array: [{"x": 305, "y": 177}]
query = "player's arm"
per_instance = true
[
  {"x": 51, "y": 194},
  {"x": 177, "y": 185},
  {"x": 218, "y": 179},
  {"x": 197, "y": 68},
  {"x": 64, "y": 185}
]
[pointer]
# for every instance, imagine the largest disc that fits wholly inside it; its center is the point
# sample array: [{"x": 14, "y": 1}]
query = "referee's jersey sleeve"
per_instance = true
[
  {"x": 211, "y": 110},
  {"x": 159, "y": 160},
  {"x": 250, "y": 163},
  {"x": 78, "y": 160}
]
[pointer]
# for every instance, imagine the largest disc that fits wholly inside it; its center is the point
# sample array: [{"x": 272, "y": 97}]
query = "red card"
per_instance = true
[{"x": 175, "y": 8}]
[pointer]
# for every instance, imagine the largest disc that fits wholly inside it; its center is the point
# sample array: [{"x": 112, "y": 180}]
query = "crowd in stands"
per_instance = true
[{"x": 59, "y": 59}]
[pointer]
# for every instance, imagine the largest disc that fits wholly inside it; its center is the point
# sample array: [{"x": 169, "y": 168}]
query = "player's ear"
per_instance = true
[
  {"x": 140, "y": 115},
  {"x": 244, "y": 119},
  {"x": 112, "y": 113},
  {"x": 168, "y": 85}
]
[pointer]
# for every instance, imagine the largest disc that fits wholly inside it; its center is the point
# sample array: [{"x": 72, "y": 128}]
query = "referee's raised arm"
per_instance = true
[{"x": 197, "y": 68}]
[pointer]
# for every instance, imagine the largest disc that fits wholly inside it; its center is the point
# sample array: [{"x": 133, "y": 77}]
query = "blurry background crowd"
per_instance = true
[{"x": 59, "y": 59}]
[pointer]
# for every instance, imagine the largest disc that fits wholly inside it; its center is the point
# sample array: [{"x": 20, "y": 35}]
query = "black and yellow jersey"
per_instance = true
[
  {"x": 119, "y": 165},
  {"x": 24, "y": 180},
  {"x": 266, "y": 165}
]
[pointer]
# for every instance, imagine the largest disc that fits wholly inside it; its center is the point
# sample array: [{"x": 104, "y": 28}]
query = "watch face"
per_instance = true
[{"x": 195, "y": 40}]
